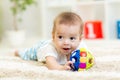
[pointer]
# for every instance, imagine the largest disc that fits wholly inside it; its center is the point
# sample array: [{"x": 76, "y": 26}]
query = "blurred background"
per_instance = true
[{"x": 25, "y": 22}]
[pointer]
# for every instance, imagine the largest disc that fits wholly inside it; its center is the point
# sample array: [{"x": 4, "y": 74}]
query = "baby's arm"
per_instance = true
[{"x": 52, "y": 64}]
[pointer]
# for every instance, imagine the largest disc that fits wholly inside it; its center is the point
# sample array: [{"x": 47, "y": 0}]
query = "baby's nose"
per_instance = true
[{"x": 66, "y": 41}]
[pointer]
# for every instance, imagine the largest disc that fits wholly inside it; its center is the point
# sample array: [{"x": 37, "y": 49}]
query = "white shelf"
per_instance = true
[
  {"x": 90, "y": 3},
  {"x": 106, "y": 11},
  {"x": 57, "y": 5},
  {"x": 70, "y": 4}
]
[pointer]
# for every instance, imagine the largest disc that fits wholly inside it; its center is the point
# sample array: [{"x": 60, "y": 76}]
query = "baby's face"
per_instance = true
[{"x": 66, "y": 38}]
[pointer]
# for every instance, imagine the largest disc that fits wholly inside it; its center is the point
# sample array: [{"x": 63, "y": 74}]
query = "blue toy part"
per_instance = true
[
  {"x": 118, "y": 29},
  {"x": 75, "y": 56},
  {"x": 82, "y": 59}
]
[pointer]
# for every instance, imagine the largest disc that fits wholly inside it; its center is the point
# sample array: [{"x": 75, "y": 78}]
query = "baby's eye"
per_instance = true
[
  {"x": 60, "y": 37},
  {"x": 72, "y": 38}
]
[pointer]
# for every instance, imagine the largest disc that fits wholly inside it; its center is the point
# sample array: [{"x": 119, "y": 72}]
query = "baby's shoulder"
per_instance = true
[{"x": 48, "y": 46}]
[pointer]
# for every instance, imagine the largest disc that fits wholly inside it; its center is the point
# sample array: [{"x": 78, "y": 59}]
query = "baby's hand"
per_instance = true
[{"x": 68, "y": 65}]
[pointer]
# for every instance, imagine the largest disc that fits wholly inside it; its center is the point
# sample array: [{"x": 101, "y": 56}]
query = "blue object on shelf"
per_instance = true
[{"x": 118, "y": 29}]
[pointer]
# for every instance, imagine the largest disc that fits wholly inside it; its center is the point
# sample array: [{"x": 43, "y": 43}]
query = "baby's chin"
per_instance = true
[{"x": 65, "y": 52}]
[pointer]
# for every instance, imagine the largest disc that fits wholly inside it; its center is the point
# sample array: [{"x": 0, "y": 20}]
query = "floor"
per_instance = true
[{"x": 106, "y": 67}]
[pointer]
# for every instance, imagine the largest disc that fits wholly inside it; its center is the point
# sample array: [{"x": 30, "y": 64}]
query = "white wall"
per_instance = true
[
  {"x": 31, "y": 19},
  {"x": 0, "y": 22}
]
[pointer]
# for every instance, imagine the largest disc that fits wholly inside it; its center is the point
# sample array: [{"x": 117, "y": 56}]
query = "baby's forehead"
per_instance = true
[
  {"x": 68, "y": 25},
  {"x": 70, "y": 29}
]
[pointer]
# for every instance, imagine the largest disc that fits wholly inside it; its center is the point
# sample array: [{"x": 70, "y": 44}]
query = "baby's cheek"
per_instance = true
[{"x": 76, "y": 45}]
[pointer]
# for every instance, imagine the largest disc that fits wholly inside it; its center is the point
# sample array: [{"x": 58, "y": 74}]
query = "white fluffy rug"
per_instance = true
[{"x": 107, "y": 66}]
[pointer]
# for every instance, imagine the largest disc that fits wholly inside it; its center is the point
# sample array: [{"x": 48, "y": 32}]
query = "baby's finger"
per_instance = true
[{"x": 70, "y": 62}]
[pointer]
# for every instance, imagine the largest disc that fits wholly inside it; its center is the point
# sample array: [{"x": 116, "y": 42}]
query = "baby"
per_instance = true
[{"x": 66, "y": 37}]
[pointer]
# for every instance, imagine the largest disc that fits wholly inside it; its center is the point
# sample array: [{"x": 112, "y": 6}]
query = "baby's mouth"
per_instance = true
[{"x": 66, "y": 49}]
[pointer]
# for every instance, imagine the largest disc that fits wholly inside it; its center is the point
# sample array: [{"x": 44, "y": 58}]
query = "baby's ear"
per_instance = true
[
  {"x": 53, "y": 35},
  {"x": 81, "y": 36}
]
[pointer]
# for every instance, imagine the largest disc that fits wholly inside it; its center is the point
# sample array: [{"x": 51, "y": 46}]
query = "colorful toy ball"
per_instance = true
[{"x": 82, "y": 60}]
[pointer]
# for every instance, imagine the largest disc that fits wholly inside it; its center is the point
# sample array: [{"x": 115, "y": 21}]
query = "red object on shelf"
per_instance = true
[{"x": 93, "y": 30}]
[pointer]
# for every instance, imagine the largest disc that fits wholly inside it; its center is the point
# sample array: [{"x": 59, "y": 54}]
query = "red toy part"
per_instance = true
[
  {"x": 93, "y": 30},
  {"x": 83, "y": 54}
]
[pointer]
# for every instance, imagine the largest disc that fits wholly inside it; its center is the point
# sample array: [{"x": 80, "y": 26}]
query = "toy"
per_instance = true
[
  {"x": 118, "y": 29},
  {"x": 82, "y": 60}
]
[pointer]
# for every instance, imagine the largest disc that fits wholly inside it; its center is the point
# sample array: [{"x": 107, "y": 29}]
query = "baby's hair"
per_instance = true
[{"x": 68, "y": 18}]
